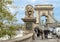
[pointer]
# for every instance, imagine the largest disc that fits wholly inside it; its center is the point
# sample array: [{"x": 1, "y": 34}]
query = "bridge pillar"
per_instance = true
[{"x": 44, "y": 10}]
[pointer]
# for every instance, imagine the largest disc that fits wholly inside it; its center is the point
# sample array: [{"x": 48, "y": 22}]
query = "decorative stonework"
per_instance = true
[
  {"x": 29, "y": 25},
  {"x": 29, "y": 17},
  {"x": 29, "y": 11}
]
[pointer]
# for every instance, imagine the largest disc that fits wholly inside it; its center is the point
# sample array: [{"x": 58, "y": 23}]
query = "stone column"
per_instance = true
[
  {"x": 40, "y": 14},
  {"x": 37, "y": 17}
]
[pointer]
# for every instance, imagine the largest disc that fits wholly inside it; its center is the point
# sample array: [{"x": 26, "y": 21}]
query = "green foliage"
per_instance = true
[
  {"x": 11, "y": 31},
  {"x": 5, "y": 15},
  {"x": 2, "y": 32},
  {"x": 1, "y": 24},
  {"x": 13, "y": 28},
  {"x": 9, "y": 1},
  {"x": 8, "y": 31}
]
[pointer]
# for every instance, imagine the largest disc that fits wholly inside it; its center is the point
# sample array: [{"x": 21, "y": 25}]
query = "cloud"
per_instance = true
[
  {"x": 22, "y": 8},
  {"x": 30, "y": 1},
  {"x": 10, "y": 9},
  {"x": 33, "y": 0}
]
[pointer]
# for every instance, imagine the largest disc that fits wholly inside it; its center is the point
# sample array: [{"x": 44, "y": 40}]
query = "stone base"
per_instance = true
[
  {"x": 29, "y": 19},
  {"x": 29, "y": 23}
]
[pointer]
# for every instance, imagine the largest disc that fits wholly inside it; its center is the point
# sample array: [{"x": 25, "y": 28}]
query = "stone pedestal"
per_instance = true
[{"x": 29, "y": 23}]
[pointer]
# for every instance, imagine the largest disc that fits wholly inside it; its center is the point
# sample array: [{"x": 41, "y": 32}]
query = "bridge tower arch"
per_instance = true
[{"x": 44, "y": 10}]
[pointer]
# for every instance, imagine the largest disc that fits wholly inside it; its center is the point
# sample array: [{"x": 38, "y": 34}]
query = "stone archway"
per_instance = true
[{"x": 44, "y": 10}]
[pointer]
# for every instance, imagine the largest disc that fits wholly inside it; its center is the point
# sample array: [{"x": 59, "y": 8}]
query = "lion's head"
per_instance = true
[{"x": 29, "y": 9}]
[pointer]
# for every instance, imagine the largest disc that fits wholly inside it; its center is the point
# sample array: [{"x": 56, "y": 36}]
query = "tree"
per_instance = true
[{"x": 5, "y": 15}]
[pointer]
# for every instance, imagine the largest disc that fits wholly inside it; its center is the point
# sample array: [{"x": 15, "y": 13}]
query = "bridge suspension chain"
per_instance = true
[{"x": 53, "y": 18}]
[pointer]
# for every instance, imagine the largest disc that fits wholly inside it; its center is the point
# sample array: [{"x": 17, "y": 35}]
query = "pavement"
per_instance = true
[{"x": 46, "y": 40}]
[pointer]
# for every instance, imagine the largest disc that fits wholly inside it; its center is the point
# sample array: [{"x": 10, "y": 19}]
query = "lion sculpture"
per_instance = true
[{"x": 29, "y": 11}]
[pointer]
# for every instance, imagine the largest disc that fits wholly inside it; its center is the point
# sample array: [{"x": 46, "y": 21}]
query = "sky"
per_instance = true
[{"x": 21, "y": 4}]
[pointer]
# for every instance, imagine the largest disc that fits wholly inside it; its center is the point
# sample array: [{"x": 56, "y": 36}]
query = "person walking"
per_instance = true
[{"x": 37, "y": 31}]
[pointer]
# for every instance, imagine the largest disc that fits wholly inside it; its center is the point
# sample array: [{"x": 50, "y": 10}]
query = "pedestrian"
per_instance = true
[
  {"x": 41, "y": 33},
  {"x": 37, "y": 31},
  {"x": 46, "y": 33}
]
